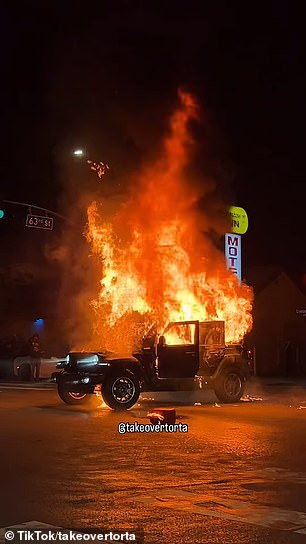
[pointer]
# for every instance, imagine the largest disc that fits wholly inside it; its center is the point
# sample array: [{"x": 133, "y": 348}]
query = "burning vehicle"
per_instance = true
[
  {"x": 163, "y": 292},
  {"x": 189, "y": 355}
]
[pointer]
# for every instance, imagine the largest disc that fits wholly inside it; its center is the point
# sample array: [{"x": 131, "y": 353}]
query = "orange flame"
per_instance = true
[{"x": 167, "y": 269}]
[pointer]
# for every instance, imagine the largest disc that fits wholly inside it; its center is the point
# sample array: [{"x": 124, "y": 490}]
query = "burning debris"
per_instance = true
[
  {"x": 158, "y": 262},
  {"x": 250, "y": 398},
  {"x": 99, "y": 167}
]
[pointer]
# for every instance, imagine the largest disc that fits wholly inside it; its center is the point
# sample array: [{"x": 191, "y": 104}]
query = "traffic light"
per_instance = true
[{"x": 2, "y": 207}]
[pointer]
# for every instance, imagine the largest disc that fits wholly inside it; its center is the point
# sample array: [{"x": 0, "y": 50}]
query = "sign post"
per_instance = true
[{"x": 35, "y": 220}]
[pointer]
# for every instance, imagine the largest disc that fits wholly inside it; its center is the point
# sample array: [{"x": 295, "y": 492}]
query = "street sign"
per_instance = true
[
  {"x": 39, "y": 222},
  {"x": 233, "y": 253},
  {"x": 239, "y": 220}
]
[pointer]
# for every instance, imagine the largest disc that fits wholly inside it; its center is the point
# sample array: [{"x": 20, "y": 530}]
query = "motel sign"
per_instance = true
[
  {"x": 239, "y": 220},
  {"x": 233, "y": 253},
  {"x": 239, "y": 224}
]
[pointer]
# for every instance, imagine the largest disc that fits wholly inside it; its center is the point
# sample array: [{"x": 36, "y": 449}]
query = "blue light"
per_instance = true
[
  {"x": 38, "y": 325},
  {"x": 1, "y": 214}
]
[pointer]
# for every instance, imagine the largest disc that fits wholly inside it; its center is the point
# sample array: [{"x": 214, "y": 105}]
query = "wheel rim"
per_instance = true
[
  {"x": 123, "y": 390},
  {"x": 233, "y": 385},
  {"x": 77, "y": 396}
]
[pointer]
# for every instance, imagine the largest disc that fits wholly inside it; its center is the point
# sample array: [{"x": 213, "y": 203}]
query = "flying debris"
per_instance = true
[{"x": 99, "y": 167}]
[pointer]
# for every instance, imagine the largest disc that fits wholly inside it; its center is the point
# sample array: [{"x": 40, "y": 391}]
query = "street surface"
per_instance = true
[{"x": 237, "y": 476}]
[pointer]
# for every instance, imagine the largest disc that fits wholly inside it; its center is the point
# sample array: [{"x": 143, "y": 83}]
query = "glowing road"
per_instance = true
[{"x": 238, "y": 475}]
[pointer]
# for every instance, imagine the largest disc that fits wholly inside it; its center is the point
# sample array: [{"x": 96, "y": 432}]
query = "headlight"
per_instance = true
[{"x": 63, "y": 362}]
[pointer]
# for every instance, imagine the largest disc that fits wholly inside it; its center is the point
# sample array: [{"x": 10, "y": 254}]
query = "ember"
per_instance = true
[
  {"x": 99, "y": 167},
  {"x": 167, "y": 268}
]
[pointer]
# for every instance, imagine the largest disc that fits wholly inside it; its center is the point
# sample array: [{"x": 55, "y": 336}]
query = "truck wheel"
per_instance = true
[
  {"x": 71, "y": 397},
  {"x": 229, "y": 385},
  {"x": 121, "y": 390}
]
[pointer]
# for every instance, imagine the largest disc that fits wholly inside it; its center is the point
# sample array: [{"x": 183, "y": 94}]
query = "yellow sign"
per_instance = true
[{"x": 239, "y": 220}]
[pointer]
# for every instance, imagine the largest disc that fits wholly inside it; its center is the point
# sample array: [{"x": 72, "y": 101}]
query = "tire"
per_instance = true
[
  {"x": 71, "y": 397},
  {"x": 230, "y": 385},
  {"x": 121, "y": 390},
  {"x": 24, "y": 372}
]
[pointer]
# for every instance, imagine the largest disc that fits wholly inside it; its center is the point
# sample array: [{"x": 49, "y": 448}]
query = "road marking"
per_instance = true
[
  {"x": 27, "y": 387},
  {"x": 220, "y": 507},
  {"x": 29, "y": 383},
  {"x": 26, "y": 525},
  {"x": 275, "y": 474},
  {"x": 267, "y": 475}
]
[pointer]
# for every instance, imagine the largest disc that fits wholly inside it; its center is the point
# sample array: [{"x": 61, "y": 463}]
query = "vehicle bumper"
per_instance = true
[{"x": 79, "y": 382}]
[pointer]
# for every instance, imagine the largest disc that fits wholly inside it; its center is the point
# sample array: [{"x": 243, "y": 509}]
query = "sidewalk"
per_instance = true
[{"x": 283, "y": 382}]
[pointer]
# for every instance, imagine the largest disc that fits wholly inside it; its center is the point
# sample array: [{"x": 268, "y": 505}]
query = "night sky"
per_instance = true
[{"x": 106, "y": 78}]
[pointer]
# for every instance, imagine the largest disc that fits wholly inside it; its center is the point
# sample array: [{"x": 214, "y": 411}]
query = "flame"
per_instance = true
[{"x": 164, "y": 268}]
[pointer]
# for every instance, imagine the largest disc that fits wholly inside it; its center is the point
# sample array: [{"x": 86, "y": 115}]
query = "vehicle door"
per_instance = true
[{"x": 178, "y": 350}]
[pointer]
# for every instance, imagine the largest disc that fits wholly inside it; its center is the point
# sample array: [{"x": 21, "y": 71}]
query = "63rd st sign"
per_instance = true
[{"x": 39, "y": 222}]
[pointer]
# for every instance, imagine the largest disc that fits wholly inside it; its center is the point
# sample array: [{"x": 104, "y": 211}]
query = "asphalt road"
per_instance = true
[{"x": 238, "y": 475}]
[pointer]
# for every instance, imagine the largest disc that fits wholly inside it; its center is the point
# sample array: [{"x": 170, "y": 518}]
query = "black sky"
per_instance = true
[{"x": 104, "y": 75}]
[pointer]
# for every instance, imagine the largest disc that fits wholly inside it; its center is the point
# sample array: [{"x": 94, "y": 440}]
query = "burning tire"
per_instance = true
[
  {"x": 121, "y": 390},
  {"x": 71, "y": 397},
  {"x": 229, "y": 385}
]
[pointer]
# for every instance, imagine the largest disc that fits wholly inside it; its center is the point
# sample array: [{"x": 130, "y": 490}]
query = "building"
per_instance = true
[{"x": 279, "y": 331}]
